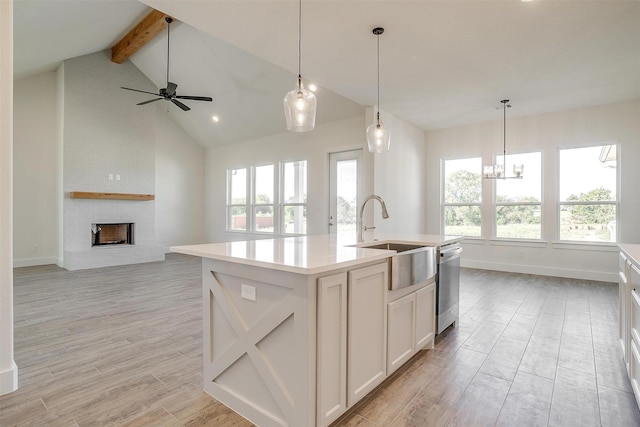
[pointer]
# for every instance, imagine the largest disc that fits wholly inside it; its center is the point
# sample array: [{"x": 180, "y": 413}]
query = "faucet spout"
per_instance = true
[{"x": 362, "y": 228}]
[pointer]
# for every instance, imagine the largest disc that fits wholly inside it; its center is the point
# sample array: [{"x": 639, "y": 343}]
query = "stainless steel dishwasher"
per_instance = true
[{"x": 447, "y": 285}]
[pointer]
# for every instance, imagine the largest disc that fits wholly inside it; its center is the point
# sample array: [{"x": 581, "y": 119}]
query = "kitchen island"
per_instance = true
[{"x": 297, "y": 330}]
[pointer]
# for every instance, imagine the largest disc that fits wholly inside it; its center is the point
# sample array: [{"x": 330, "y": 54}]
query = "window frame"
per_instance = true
[
  {"x": 230, "y": 205},
  {"x": 560, "y": 203},
  {"x": 282, "y": 204},
  {"x": 277, "y": 205},
  {"x": 254, "y": 205},
  {"x": 496, "y": 204},
  {"x": 444, "y": 204}
]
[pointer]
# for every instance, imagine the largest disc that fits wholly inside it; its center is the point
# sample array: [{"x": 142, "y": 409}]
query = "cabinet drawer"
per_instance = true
[{"x": 634, "y": 277}]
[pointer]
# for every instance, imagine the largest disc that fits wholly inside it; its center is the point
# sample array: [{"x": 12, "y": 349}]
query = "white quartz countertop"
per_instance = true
[
  {"x": 308, "y": 254},
  {"x": 632, "y": 250}
]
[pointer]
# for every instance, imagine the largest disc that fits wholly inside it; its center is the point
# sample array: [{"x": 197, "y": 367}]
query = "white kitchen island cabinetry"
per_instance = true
[
  {"x": 411, "y": 325},
  {"x": 295, "y": 329},
  {"x": 425, "y": 317},
  {"x": 367, "y": 330},
  {"x": 351, "y": 338},
  {"x": 332, "y": 348},
  {"x": 629, "y": 320}
]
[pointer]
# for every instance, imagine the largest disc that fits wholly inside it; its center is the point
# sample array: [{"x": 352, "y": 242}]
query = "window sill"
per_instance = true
[
  {"x": 587, "y": 246},
  {"x": 519, "y": 242}
]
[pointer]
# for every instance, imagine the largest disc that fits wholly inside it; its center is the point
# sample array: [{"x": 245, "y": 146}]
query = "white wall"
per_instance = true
[
  {"x": 399, "y": 177},
  {"x": 8, "y": 368},
  {"x": 176, "y": 169},
  {"x": 180, "y": 192},
  {"x": 35, "y": 171},
  {"x": 313, "y": 146},
  {"x": 106, "y": 137},
  {"x": 617, "y": 123}
]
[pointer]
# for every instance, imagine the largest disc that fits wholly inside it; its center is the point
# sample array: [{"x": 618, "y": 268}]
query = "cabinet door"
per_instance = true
[
  {"x": 634, "y": 370},
  {"x": 623, "y": 302},
  {"x": 367, "y": 330},
  {"x": 425, "y": 317},
  {"x": 401, "y": 331},
  {"x": 633, "y": 317},
  {"x": 332, "y": 348}
]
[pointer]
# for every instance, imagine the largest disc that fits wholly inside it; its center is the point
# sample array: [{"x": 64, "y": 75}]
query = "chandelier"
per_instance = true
[{"x": 497, "y": 171}]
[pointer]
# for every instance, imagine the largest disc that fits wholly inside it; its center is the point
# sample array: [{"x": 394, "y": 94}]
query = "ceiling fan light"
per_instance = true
[{"x": 300, "y": 109}]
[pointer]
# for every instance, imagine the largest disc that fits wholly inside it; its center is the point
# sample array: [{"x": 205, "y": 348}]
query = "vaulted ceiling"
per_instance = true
[{"x": 443, "y": 63}]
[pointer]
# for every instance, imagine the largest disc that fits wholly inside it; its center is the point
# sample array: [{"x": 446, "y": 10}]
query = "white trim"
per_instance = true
[
  {"x": 30, "y": 262},
  {"x": 533, "y": 243},
  {"x": 586, "y": 246},
  {"x": 9, "y": 379},
  {"x": 601, "y": 276}
]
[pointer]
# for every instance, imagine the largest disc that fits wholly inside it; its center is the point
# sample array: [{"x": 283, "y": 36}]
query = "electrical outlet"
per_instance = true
[
  {"x": 117, "y": 177},
  {"x": 248, "y": 292},
  {"x": 110, "y": 177}
]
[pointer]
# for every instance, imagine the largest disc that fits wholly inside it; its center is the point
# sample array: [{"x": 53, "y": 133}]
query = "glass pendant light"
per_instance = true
[
  {"x": 300, "y": 103},
  {"x": 497, "y": 171},
  {"x": 378, "y": 138}
]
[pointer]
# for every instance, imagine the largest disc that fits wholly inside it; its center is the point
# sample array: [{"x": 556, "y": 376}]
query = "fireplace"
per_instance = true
[{"x": 112, "y": 234}]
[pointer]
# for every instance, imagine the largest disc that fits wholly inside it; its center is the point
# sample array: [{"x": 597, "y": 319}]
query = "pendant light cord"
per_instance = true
[
  {"x": 299, "y": 42},
  {"x": 378, "y": 116},
  {"x": 504, "y": 135}
]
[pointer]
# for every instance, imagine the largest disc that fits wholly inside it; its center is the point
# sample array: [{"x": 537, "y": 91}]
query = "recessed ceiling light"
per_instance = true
[
  {"x": 313, "y": 87},
  {"x": 526, "y": 1},
  {"x": 215, "y": 118}
]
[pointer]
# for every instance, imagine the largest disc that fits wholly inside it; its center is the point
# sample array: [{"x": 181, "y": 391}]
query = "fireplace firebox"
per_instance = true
[{"x": 112, "y": 234}]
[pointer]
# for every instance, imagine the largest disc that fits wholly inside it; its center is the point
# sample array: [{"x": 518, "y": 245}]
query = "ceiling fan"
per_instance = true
[{"x": 169, "y": 93}]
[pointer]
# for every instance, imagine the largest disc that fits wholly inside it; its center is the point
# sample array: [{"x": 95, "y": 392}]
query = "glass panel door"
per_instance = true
[{"x": 343, "y": 192}]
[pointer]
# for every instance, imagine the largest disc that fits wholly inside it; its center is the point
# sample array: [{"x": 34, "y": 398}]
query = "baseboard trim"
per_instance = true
[
  {"x": 601, "y": 276},
  {"x": 9, "y": 379},
  {"x": 30, "y": 262}
]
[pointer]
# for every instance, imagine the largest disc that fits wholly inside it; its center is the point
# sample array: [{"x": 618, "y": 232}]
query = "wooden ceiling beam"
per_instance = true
[{"x": 141, "y": 34}]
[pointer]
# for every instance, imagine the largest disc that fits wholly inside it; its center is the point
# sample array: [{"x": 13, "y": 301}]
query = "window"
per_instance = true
[
  {"x": 263, "y": 198},
  {"x": 294, "y": 197},
  {"x": 588, "y": 194},
  {"x": 261, "y": 201},
  {"x": 237, "y": 199},
  {"x": 462, "y": 194},
  {"x": 518, "y": 201}
]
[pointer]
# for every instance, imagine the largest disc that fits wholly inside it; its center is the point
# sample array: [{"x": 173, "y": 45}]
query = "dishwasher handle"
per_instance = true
[{"x": 450, "y": 254}]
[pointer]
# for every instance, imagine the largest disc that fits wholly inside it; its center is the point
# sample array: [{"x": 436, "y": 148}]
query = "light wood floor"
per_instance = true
[{"x": 122, "y": 346}]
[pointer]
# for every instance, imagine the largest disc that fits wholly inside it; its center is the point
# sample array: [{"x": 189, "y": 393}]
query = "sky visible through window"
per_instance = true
[
  {"x": 582, "y": 171},
  {"x": 530, "y": 186}
]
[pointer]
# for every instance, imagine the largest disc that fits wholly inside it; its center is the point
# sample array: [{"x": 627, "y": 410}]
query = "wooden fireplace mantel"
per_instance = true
[{"x": 112, "y": 196}]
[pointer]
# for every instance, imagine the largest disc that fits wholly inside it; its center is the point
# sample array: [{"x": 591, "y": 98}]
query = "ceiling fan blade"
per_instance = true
[
  {"x": 196, "y": 98},
  {"x": 136, "y": 90},
  {"x": 180, "y": 104},
  {"x": 171, "y": 88},
  {"x": 151, "y": 100}
]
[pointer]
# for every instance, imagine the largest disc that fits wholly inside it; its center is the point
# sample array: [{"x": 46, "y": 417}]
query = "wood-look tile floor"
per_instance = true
[{"x": 122, "y": 346}]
